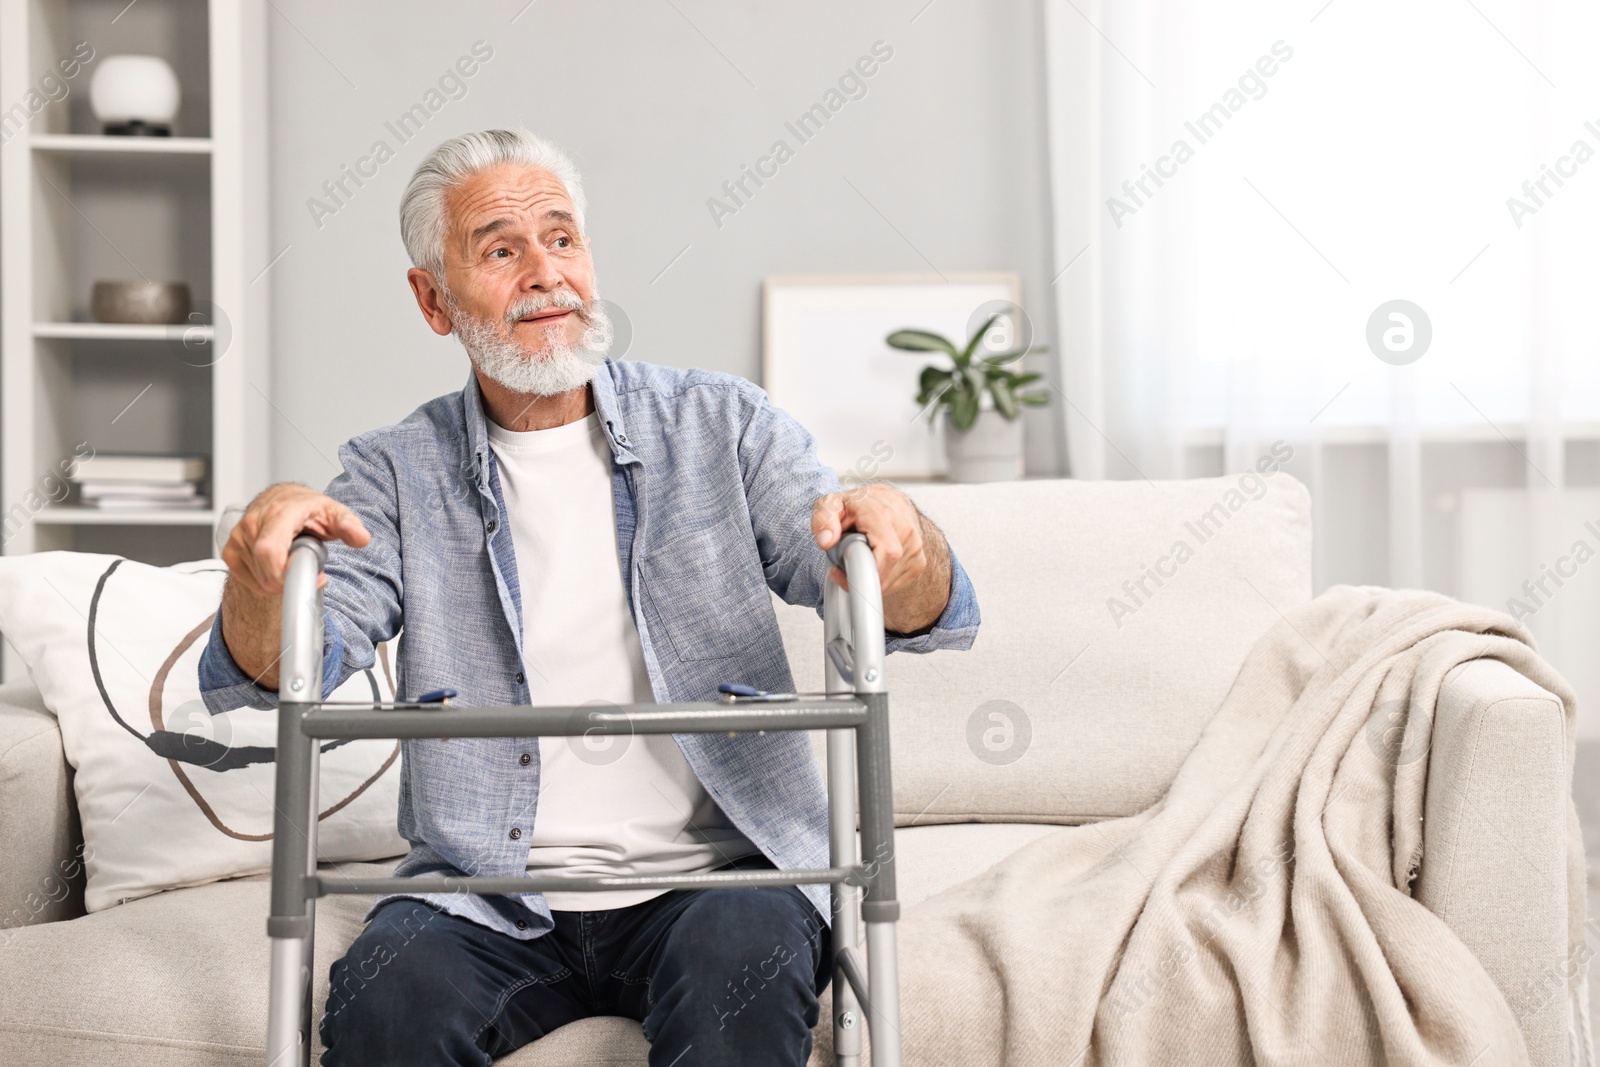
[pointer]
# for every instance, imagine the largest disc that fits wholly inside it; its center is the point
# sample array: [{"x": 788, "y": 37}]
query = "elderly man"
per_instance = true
[{"x": 570, "y": 529}]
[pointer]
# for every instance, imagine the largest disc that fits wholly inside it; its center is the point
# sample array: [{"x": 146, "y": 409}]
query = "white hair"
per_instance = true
[{"x": 424, "y": 220}]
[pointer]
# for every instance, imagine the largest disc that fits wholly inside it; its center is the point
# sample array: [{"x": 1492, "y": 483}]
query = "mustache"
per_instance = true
[{"x": 530, "y": 305}]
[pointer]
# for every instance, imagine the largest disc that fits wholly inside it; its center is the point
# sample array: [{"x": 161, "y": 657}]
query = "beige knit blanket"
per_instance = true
[{"x": 1261, "y": 912}]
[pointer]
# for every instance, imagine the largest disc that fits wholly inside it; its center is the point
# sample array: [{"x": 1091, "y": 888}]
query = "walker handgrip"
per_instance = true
[
  {"x": 836, "y": 554},
  {"x": 854, "y": 642},
  {"x": 306, "y": 540},
  {"x": 300, "y": 647}
]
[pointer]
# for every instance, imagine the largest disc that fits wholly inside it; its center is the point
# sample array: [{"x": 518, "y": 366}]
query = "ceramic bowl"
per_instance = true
[{"x": 140, "y": 302}]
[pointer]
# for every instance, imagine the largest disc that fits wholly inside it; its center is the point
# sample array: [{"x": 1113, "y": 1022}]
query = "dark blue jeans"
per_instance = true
[{"x": 716, "y": 976}]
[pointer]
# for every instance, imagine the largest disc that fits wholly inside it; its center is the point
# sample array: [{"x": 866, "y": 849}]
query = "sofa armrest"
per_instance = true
[
  {"x": 1495, "y": 840},
  {"x": 42, "y": 876}
]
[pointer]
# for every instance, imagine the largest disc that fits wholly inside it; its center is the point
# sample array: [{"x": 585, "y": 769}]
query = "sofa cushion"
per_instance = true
[
  {"x": 180, "y": 978},
  {"x": 1115, "y": 615},
  {"x": 41, "y": 878}
]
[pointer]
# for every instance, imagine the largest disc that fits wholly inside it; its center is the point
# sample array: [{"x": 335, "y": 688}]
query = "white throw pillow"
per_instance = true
[{"x": 114, "y": 648}]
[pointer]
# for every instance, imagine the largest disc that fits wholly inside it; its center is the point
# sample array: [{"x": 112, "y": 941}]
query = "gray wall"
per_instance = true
[{"x": 947, "y": 144}]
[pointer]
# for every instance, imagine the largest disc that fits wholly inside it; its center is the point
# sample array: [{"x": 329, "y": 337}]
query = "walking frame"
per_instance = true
[{"x": 855, "y": 713}]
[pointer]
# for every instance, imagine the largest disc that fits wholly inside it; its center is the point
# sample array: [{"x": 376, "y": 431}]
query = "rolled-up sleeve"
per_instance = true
[
  {"x": 956, "y": 627},
  {"x": 783, "y": 479},
  {"x": 224, "y": 686}
]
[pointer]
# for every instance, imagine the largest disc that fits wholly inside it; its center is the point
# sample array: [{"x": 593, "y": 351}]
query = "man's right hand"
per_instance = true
[{"x": 257, "y": 552}]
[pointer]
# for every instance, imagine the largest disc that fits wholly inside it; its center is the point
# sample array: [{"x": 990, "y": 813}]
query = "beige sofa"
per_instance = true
[{"x": 1070, "y": 709}]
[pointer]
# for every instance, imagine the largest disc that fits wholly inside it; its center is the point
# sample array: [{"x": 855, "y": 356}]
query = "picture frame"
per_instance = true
[{"x": 824, "y": 359}]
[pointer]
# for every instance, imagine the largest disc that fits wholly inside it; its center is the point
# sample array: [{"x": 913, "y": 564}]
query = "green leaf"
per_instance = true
[
  {"x": 1004, "y": 401},
  {"x": 1011, "y": 378},
  {"x": 976, "y": 380},
  {"x": 920, "y": 341},
  {"x": 932, "y": 378},
  {"x": 977, "y": 338},
  {"x": 1036, "y": 399},
  {"x": 964, "y": 410},
  {"x": 933, "y": 401},
  {"x": 1002, "y": 358}
]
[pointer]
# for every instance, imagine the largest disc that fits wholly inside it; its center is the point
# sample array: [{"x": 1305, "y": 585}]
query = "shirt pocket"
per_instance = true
[{"x": 705, "y": 591}]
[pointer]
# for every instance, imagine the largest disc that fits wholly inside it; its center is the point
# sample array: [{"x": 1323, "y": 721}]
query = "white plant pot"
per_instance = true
[{"x": 991, "y": 451}]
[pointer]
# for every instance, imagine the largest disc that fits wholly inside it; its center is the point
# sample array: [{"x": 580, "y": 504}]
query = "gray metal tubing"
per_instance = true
[
  {"x": 877, "y": 811},
  {"x": 846, "y": 899},
  {"x": 300, "y": 668},
  {"x": 312, "y": 809},
  {"x": 880, "y": 907},
  {"x": 572, "y": 883},
  {"x": 835, "y": 627},
  {"x": 866, "y": 611},
  {"x": 883, "y": 980},
  {"x": 526, "y": 721},
  {"x": 861, "y": 631},
  {"x": 848, "y": 1022},
  {"x": 853, "y": 979},
  {"x": 290, "y": 977},
  {"x": 294, "y": 829},
  {"x": 289, "y": 923}
]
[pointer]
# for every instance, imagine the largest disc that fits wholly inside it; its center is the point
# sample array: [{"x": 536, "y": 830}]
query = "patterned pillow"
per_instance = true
[{"x": 168, "y": 794}]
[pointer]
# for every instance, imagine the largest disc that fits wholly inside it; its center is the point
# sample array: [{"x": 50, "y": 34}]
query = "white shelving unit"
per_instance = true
[
  {"x": 94, "y": 142},
  {"x": 77, "y": 206},
  {"x": 79, "y": 516},
  {"x": 113, "y": 331}
]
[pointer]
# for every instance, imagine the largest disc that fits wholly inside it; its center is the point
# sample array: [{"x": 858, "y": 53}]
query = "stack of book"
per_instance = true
[{"x": 140, "y": 482}]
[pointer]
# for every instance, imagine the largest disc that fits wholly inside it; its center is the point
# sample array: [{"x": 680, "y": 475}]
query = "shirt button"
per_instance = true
[
  {"x": 622, "y": 438},
  {"x": 492, "y": 525},
  {"x": 521, "y": 925},
  {"x": 525, "y": 759},
  {"x": 521, "y": 678},
  {"x": 516, "y": 834}
]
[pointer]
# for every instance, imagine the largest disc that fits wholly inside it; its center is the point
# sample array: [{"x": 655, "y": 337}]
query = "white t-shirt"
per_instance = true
[{"x": 610, "y": 804}]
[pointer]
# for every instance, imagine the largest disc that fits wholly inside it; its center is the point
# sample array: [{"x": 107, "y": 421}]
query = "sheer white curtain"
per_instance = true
[{"x": 1239, "y": 186}]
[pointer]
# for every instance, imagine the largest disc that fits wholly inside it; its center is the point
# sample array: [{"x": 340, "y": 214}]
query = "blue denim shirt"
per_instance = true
[{"x": 713, "y": 488}]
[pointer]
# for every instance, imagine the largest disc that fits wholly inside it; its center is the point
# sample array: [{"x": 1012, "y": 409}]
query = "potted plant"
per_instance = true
[{"x": 979, "y": 399}]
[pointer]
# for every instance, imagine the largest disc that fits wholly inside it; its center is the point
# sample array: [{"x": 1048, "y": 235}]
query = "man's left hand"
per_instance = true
[{"x": 913, "y": 556}]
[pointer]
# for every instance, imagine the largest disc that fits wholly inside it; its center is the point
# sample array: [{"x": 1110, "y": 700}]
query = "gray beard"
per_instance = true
[{"x": 557, "y": 368}]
